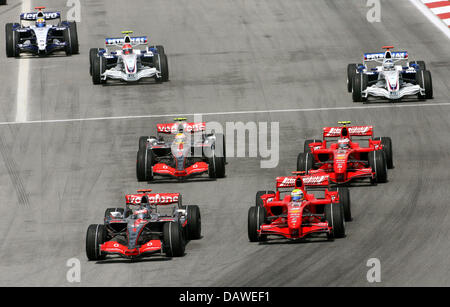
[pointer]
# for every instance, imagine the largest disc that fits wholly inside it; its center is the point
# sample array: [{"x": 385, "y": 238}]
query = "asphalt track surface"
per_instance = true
[{"x": 57, "y": 178}]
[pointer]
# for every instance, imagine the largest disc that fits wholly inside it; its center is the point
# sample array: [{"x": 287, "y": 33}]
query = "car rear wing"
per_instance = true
[
  {"x": 153, "y": 198},
  {"x": 172, "y": 128},
  {"x": 304, "y": 181},
  {"x": 334, "y": 132},
  {"x": 33, "y": 16},
  {"x": 120, "y": 41}
]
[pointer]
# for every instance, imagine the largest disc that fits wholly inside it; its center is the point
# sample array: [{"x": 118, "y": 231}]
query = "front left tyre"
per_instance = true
[
  {"x": 95, "y": 236},
  {"x": 12, "y": 39},
  {"x": 256, "y": 218}
]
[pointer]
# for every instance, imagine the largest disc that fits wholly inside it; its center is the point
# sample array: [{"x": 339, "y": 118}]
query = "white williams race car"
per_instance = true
[
  {"x": 126, "y": 62},
  {"x": 41, "y": 37},
  {"x": 394, "y": 79}
]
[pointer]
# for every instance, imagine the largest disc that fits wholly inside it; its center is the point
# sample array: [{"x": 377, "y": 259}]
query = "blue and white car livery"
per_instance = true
[
  {"x": 394, "y": 79},
  {"x": 40, "y": 37},
  {"x": 120, "y": 60}
]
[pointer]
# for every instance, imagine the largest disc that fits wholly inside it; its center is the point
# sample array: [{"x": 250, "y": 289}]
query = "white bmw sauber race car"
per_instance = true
[
  {"x": 394, "y": 79},
  {"x": 127, "y": 63}
]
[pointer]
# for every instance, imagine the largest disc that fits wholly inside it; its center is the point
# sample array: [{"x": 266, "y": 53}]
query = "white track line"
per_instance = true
[
  {"x": 364, "y": 107},
  {"x": 22, "y": 79},
  {"x": 433, "y": 18}
]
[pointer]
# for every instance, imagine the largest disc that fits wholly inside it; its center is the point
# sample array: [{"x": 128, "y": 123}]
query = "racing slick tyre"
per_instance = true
[
  {"x": 216, "y": 166},
  {"x": 12, "y": 38},
  {"x": 423, "y": 79},
  {"x": 344, "y": 199},
  {"x": 144, "y": 165},
  {"x": 258, "y": 201},
  {"x": 68, "y": 41},
  {"x": 173, "y": 240},
  {"x": 93, "y": 52},
  {"x": 256, "y": 217},
  {"x": 194, "y": 223},
  {"x": 334, "y": 214},
  {"x": 109, "y": 210},
  {"x": 220, "y": 143},
  {"x": 162, "y": 65},
  {"x": 351, "y": 72},
  {"x": 386, "y": 142},
  {"x": 98, "y": 68},
  {"x": 421, "y": 64},
  {"x": 95, "y": 236},
  {"x": 306, "y": 145},
  {"x": 74, "y": 37},
  {"x": 377, "y": 161},
  {"x": 143, "y": 142},
  {"x": 3, "y": 2},
  {"x": 360, "y": 82},
  {"x": 305, "y": 162}
]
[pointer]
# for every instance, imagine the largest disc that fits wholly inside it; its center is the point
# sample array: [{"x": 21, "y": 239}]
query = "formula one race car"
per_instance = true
[
  {"x": 41, "y": 38},
  {"x": 127, "y": 63},
  {"x": 346, "y": 160},
  {"x": 394, "y": 79},
  {"x": 187, "y": 151},
  {"x": 150, "y": 223},
  {"x": 299, "y": 218}
]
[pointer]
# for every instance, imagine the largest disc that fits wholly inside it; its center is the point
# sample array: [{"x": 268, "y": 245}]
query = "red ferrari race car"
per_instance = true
[
  {"x": 150, "y": 223},
  {"x": 345, "y": 160},
  {"x": 186, "y": 151},
  {"x": 295, "y": 216}
]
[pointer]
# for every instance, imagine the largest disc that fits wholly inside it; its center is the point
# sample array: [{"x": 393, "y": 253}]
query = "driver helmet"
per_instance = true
[
  {"x": 344, "y": 143},
  {"x": 180, "y": 138},
  {"x": 388, "y": 64},
  {"x": 127, "y": 49},
  {"x": 297, "y": 195},
  {"x": 141, "y": 212},
  {"x": 40, "y": 22}
]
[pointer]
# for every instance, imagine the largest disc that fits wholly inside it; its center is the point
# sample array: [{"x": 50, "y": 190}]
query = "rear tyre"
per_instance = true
[
  {"x": 98, "y": 68},
  {"x": 219, "y": 157},
  {"x": 386, "y": 142},
  {"x": 143, "y": 142},
  {"x": 194, "y": 223},
  {"x": 256, "y": 218},
  {"x": 305, "y": 162},
  {"x": 95, "y": 236},
  {"x": 93, "y": 53},
  {"x": 344, "y": 199},
  {"x": 421, "y": 64},
  {"x": 360, "y": 82},
  {"x": 174, "y": 243},
  {"x": 334, "y": 214},
  {"x": 74, "y": 37},
  {"x": 377, "y": 161},
  {"x": 258, "y": 201},
  {"x": 144, "y": 163},
  {"x": 12, "y": 39},
  {"x": 351, "y": 72}
]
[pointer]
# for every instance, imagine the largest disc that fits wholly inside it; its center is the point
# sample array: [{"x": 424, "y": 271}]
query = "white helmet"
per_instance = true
[{"x": 388, "y": 64}]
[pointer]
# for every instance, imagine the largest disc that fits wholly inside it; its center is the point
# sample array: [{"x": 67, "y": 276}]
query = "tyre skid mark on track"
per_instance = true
[{"x": 14, "y": 175}]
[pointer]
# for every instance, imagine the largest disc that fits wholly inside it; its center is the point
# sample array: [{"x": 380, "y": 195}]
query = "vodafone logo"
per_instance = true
[
  {"x": 187, "y": 127},
  {"x": 161, "y": 199}
]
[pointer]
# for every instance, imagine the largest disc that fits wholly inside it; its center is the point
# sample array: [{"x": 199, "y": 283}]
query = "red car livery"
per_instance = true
[
  {"x": 187, "y": 151},
  {"x": 276, "y": 215},
  {"x": 346, "y": 159}
]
